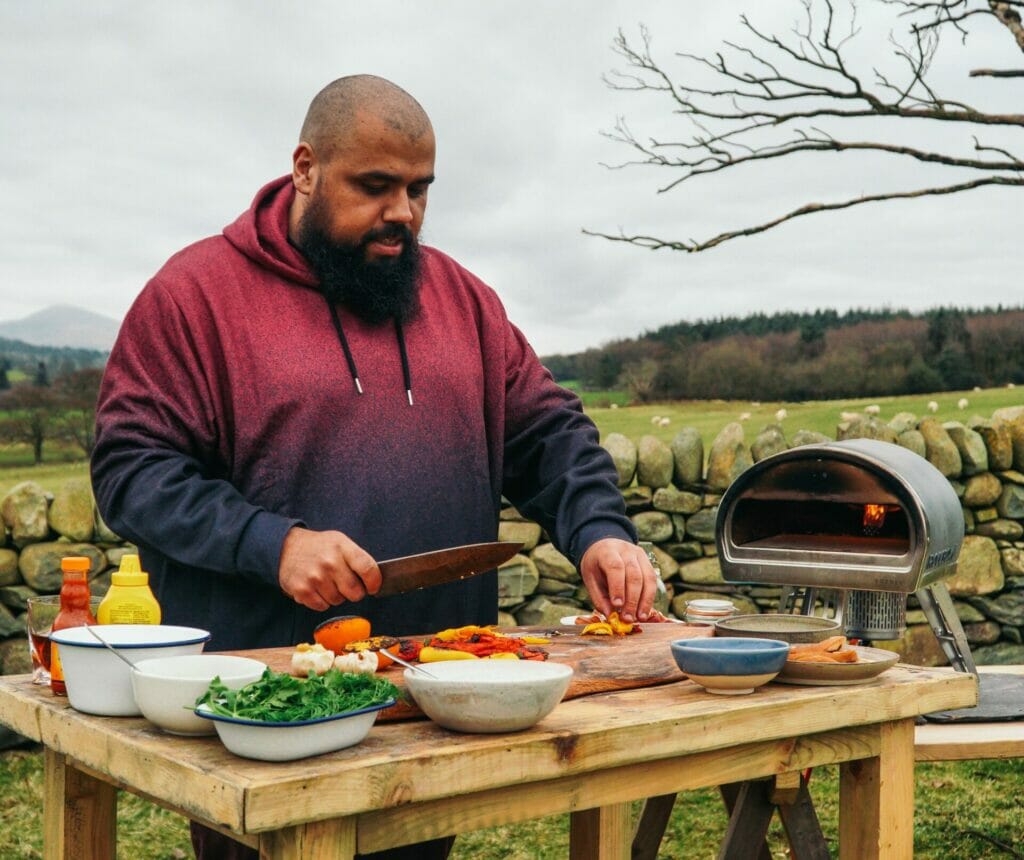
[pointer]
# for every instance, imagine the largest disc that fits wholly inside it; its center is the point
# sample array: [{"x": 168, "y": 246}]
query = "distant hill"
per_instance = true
[{"x": 63, "y": 326}]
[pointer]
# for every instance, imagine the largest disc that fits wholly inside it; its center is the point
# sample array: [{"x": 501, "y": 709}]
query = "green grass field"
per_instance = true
[{"x": 708, "y": 416}]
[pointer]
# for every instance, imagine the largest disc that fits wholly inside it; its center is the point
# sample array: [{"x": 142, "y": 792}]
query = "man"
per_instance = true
[{"x": 312, "y": 390}]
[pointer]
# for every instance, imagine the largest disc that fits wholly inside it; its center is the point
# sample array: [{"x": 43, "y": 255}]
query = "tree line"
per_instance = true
[
  {"x": 809, "y": 356},
  {"x": 40, "y": 410}
]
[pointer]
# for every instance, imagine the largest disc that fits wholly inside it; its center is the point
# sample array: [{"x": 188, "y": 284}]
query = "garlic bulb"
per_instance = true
[
  {"x": 357, "y": 662},
  {"x": 311, "y": 658}
]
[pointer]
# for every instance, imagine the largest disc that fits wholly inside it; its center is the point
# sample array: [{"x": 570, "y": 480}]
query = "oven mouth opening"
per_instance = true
[{"x": 817, "y": 525}]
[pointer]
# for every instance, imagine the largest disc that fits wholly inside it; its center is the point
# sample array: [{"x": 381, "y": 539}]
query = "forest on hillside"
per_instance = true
[{"x": 818, "y": 355}]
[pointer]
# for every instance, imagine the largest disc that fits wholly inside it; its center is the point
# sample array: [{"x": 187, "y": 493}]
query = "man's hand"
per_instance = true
[
  {"x": 619, "y": 577},
  {"x": 323, "y": 569}
]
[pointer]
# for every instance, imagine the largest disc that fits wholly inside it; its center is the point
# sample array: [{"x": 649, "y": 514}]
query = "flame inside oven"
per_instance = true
[{"x": 874, "y": 519}]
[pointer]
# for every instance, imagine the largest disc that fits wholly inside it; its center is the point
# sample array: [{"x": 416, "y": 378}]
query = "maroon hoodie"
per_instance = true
[{"x": 228, "y": 414}]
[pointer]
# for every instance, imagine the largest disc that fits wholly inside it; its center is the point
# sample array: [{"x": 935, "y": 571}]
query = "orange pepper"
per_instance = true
[{"x": 335, "y": 633}]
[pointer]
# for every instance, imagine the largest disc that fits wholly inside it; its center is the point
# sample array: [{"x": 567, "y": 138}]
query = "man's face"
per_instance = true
[
  {"x": 362, "y": 214},
  {"x": 376, "y": 179}
]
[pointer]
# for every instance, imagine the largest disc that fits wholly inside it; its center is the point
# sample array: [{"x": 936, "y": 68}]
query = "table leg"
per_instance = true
[
  {"x": 333, "y": 839},
  {"x": 876, "y": 799},
  {"x": 604, "y": 833},
  {"x": 79, "y": 812},
  {"x": 650, "y": 829}
]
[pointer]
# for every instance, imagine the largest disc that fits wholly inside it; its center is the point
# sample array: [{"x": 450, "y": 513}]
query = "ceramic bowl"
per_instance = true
[
  {"x": 795, "y": 629},
  {"x": 100, "y": 683},
  {"x": 730, "y": 666},
  {"x": 166, "y": 688},
  {"x": 486, "y": 696},
  {"x": 289, "y": 741}
]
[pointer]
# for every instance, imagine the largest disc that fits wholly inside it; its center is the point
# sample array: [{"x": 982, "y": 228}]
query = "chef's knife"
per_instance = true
[{"x": 411, "y": 572}]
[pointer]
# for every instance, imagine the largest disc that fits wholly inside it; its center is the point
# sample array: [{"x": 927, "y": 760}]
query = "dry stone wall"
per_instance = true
[{"x": 671, "y": 493}]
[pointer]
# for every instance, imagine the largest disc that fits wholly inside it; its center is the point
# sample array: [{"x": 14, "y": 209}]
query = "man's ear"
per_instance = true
[{"x": 304, "y": 168}]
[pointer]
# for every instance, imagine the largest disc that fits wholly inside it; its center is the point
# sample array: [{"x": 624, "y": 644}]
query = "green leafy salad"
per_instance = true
[{"x": 281, "y": 698}]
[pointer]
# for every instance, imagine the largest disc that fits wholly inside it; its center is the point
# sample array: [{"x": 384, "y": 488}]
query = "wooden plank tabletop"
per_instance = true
[{"x": 416, "y": 761}]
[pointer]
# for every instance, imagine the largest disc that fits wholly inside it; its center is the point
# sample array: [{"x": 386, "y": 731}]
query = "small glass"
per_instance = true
[{"x": 42, "y": 610}]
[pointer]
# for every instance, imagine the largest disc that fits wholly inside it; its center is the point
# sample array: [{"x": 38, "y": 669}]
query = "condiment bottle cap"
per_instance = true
[
  {"x": 75, "y": 562},
  {"x": 129, "y": 572}
]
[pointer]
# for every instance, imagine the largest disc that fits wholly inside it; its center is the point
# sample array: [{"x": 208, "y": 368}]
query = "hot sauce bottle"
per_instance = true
[{"x": 74, "y": 612}]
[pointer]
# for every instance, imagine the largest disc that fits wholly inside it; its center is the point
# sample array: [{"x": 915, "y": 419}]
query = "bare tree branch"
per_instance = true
[
  {"x": 769, "y": 97},
  {"x": 654, "y": 244}
]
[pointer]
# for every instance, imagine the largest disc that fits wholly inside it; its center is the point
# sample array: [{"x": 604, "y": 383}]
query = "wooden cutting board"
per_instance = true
[{"x": 600, "y": 663}]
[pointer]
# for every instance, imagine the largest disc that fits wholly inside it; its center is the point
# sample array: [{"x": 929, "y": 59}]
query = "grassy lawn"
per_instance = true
[
  {"x": 49, "y": 476},
  {"x": 710, "y": 416}
]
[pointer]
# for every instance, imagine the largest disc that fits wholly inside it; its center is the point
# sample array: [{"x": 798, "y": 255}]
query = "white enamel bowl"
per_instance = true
[
  {"x": 100, "y": 683},
  {"x": 166, "y": 688},
  {"x": 290, "y": 741},
  {"x": 486, "y": 696}
]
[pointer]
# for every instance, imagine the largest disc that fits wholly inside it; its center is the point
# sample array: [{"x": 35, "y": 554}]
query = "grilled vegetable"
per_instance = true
[
  {"x": 379, "y": 644},
  {"x": 335, "y": 633}
]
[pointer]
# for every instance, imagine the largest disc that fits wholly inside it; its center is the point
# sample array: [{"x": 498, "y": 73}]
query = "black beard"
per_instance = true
[{"x": 374, "y": 290}]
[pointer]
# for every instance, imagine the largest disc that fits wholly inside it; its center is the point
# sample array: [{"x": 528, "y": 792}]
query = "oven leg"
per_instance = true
[{"x": 941, "y": 614}]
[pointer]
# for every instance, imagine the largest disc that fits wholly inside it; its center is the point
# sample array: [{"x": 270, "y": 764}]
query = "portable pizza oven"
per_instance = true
[{"x": 860, "y": 522}]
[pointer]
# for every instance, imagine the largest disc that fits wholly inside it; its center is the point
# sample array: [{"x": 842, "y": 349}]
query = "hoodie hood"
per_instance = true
[{"x": 261, "y": 233}]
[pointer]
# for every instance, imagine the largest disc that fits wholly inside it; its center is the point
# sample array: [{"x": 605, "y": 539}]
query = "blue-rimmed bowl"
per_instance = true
[
  {"x": 100, "y": 683},
  {"x": 730, "y": 667},
  {"x": 289, "y": 741}
]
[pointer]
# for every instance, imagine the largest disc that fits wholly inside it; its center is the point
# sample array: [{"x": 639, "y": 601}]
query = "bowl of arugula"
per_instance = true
[{"x": 283, "y": 718}]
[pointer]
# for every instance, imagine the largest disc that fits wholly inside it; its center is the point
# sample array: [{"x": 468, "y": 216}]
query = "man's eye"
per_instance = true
[
  {"x": 417, "y": 190},
  {"x": 374, "y": 189}
]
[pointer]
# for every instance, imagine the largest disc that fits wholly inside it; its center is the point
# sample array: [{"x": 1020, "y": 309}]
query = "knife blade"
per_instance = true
[{"x": 412, "y": 572}]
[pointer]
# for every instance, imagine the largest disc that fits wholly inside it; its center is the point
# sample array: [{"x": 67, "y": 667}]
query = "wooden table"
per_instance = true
[{"x": 413, "y": 781}]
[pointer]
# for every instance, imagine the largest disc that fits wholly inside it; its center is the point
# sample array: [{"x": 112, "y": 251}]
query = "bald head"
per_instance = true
[{"x": 333, "y": 111}]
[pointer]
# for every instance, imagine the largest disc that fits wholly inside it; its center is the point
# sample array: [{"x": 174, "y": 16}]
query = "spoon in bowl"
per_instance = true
[
  {"x": 108, "y": 646},
  {"x": 412, "y": 666}
]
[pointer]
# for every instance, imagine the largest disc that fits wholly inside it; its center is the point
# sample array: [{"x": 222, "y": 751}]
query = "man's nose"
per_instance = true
[{"x": 399, "y": 209}]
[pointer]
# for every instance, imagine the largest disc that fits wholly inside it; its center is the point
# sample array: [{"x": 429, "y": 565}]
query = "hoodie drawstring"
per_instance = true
[{"x": 406, "y": 372}]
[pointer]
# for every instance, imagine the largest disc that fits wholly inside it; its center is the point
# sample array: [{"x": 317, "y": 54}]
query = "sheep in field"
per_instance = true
[
  {"x": 849, "y": 416},
  {"x": 780, "y": 415},
  {"x": 933, "y": 406},
  {"x": 655, "y": 420},
  {"x": 744, "y": 416},
  {"x": 962, "y": 403},
  {"x": 665, "y": 421},
  {"x": 873, "y": 409}
]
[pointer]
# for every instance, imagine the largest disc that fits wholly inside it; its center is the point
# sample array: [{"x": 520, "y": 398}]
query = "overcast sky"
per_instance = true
[{"x": 132, "y": 129}]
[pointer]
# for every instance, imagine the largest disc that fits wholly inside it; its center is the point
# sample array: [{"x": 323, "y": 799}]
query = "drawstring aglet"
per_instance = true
[
  {"x": 359, "y": 387},
  {"x": 408, "y": 393}
]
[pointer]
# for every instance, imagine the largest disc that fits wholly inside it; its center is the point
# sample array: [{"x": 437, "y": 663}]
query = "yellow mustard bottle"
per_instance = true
[{"x": 129, "y": 599}]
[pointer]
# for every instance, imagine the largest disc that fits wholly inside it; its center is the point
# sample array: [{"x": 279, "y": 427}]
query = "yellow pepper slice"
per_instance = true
[
  {"x": 455, "y": 634},
  {"x": 502, "y": 655},
  {"x": 429, "y": 654}
]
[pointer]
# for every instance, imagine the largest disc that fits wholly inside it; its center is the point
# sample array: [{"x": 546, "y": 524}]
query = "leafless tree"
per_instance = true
[{"x": 774, "y": 97}]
